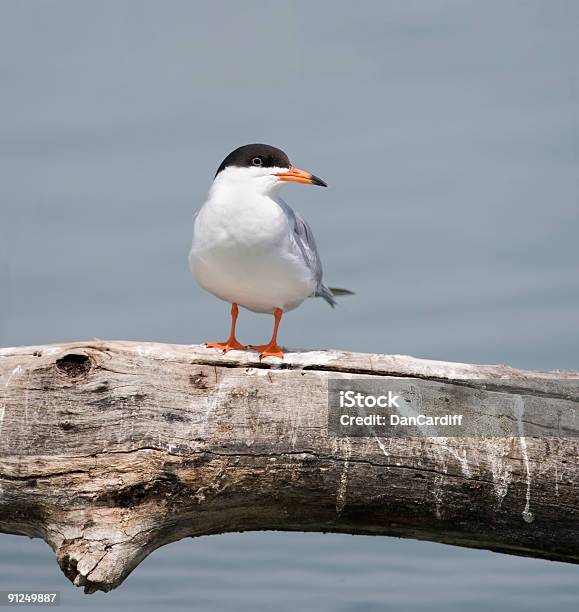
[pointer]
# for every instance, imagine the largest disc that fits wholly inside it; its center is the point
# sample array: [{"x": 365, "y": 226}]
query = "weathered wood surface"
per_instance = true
[{"x": 109, "y": 450}]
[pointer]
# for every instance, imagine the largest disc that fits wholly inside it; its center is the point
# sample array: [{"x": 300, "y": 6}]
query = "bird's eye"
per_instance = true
[{"x": 257, "y": 161}]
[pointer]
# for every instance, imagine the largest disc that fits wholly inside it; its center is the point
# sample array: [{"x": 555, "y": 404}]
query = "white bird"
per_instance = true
[{"x": 250, "y": 248}]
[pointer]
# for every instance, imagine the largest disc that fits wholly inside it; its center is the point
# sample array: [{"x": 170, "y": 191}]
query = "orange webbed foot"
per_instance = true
[
  {"x": 267, "y": 350},
  {"x": 231, "y": 345}
]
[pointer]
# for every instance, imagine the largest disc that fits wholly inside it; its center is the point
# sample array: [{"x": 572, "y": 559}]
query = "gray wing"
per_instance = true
[{"x": 304, "y": 238}]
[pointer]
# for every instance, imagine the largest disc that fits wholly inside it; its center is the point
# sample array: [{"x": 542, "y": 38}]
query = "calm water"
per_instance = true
[{"x": 449, "y": 135}]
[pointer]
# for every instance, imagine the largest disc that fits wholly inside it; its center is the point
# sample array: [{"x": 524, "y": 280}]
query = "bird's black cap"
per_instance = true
[{"x": 260, "y": 155}]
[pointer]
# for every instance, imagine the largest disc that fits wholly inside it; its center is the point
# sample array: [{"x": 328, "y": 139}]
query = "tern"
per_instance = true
[{"x": 250, "y": 248}]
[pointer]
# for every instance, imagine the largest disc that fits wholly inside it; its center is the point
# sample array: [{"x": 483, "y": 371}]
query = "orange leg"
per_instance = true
[
  {"x": 232, "y": 343},
  {"x": 272, "y": 349}
]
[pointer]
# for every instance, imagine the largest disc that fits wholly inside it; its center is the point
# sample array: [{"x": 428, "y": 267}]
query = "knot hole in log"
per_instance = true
[{"x": 74, "y": 365}]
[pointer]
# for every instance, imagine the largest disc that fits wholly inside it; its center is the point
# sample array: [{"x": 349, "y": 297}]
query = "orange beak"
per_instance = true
[{"x": 295, "y": 175}]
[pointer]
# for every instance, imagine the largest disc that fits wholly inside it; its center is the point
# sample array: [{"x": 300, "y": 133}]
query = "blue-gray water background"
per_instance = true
[{"x": 449, "y": 135}]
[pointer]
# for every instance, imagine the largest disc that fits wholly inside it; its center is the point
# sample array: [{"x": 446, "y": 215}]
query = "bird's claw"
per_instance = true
[
  {"x": 230, "y": 345},
  {"x": 267, "y": 350}
]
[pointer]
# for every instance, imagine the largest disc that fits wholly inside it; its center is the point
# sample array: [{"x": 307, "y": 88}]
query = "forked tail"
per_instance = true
[{"x": 329, "y": 293}]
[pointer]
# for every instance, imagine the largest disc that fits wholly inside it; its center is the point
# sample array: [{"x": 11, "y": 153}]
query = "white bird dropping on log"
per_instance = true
[{"x": 250, "y": 248}]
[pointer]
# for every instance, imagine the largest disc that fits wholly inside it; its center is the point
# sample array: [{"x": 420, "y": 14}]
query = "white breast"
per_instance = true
[{"x": 243, "y": 252}]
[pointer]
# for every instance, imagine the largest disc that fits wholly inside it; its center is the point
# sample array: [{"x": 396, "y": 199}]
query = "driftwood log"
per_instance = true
[{"x": 109, "y": 450}]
